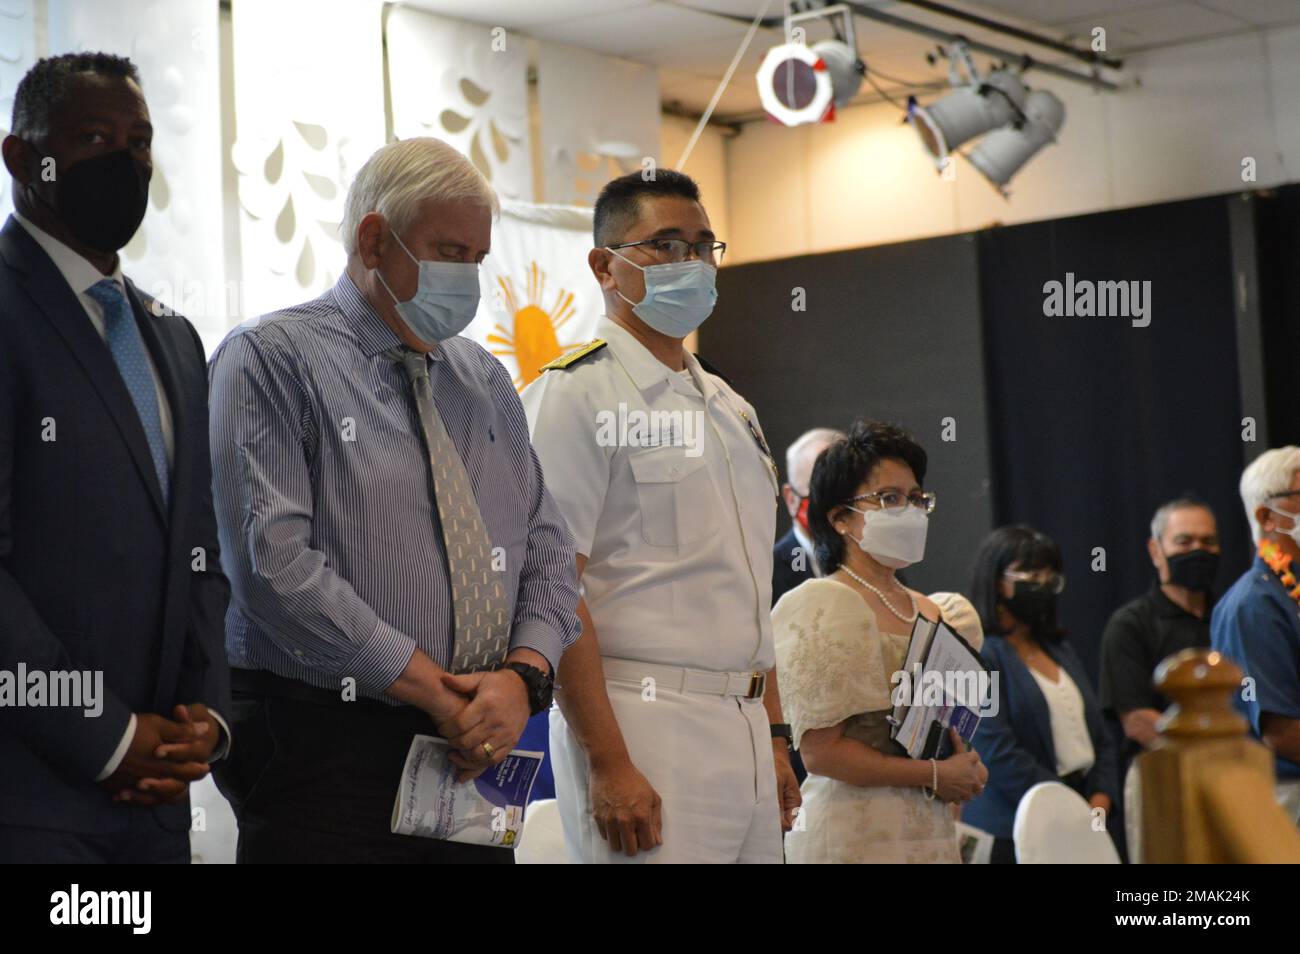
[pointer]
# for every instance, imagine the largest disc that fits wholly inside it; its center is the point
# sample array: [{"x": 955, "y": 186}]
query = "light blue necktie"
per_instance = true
[{"x": 123, "y": 339}]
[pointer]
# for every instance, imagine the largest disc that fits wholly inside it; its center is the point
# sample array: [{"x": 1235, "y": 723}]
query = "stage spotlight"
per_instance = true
[
  {"x": 967, "y": 112},
  {"x": 801, "y": 84},
  {"x": 1001, "y": 153},
  {"x": 794, "y": 85},
  {"x": 845, "y": 68}
]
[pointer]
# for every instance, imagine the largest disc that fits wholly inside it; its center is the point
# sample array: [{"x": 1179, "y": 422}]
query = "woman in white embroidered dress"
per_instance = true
[{"x": 839, "y": 640}]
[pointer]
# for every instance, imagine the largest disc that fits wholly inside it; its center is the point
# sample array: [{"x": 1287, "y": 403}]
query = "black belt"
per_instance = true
[{"x": 259, "y": 682}]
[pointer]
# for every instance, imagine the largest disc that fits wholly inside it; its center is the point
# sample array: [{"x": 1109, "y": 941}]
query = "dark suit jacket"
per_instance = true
[
  {"x": 1016, "y": 744},
  {"x": 784, "y": 576},
  {"x": 93, "y": 573}
]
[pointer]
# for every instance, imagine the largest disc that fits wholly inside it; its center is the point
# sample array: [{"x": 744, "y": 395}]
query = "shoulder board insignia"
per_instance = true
[{"x": 570, "y": 358}]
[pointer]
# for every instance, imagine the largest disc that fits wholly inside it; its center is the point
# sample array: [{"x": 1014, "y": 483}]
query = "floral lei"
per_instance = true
[{"x": 1280, "y": 564}]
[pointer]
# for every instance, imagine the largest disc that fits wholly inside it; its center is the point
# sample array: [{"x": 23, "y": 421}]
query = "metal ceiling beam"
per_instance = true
[
  {"x": 1086, "y": 55},
  {"x": 1023, "y": 60}
]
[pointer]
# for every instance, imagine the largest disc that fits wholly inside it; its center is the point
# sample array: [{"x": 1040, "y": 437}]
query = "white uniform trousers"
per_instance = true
[{"x": 710, "y": 759}]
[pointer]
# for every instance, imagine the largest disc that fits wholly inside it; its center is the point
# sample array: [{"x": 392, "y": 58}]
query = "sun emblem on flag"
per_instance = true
[{"x": 534, "y": 338}]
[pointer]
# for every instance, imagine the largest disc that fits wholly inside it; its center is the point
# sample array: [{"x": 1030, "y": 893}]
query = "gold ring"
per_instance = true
[{"x": 487, "y": 749}]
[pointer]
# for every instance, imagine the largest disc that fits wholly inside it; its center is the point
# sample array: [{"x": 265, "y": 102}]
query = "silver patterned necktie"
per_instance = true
[{"x": 478, "y": 596}]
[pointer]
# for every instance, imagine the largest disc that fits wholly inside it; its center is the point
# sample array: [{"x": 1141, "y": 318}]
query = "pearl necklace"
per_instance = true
[{"x": 888, "y": 605}]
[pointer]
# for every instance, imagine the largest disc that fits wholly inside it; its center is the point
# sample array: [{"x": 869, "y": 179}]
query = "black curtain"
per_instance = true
[
  {"x": 1094, "y": 422},
  {"x": 1278, "y": 250},
  {"x": 890, "y": 332}
]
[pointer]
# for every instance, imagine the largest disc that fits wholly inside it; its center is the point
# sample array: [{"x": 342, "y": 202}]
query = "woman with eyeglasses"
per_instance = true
[
  {"x": 839, "y": 641},
  {"x": 1048, "y": 726}
]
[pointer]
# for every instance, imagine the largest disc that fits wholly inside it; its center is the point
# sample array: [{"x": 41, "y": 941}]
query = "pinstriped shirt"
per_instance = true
[{"x": 329, "y": 529}]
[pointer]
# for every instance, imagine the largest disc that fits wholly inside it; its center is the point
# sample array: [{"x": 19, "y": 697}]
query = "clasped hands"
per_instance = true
[
  {"x": 164, "y": 756},
  {"x": 961, "y": 776},
  {"x": 481, "y": 707}
]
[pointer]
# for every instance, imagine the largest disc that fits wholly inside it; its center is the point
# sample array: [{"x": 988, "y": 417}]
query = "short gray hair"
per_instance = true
[
  {"x": 401, "y": 175},
  {"x": 1268, "y": 475},
  {"x": 825, "y": 436},
  {"x": 1161, "y": 518}
]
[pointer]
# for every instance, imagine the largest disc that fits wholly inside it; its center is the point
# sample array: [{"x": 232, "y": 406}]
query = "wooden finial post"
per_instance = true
[
  {"x": 1201, "y": 683},
  {"x": 1207, "y": 788}
]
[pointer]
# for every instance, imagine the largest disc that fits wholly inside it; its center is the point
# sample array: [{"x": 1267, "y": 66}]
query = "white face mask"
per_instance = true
[
  {"x": 894, "y": 539},
  {"x": 678, "y": 295},
  {"x": 1294, "y": 530}
]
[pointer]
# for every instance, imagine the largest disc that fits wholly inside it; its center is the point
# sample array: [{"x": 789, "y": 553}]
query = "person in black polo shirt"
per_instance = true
[{"x": 1173, "y": 615}]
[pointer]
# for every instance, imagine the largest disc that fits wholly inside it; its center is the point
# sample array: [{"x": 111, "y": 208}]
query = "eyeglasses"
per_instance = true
[
  {"x": 897, "y": 501},
  {"x": 674, "y": 250},
  {"x": 1054, "y": 582}
]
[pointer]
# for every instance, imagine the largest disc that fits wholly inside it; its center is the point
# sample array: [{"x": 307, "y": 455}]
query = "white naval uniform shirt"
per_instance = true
[{"x": 678, "y": 536}]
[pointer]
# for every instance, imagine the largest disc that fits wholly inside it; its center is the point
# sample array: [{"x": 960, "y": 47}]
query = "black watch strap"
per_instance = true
[
  {"x": 782, "y": 730},
  {"x": 540, "y": 686}
]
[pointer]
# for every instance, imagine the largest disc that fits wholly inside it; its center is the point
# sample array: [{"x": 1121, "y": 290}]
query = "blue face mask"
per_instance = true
[
  {"x": 445, "y": 301},
  {"x": 678, "y": 296}
]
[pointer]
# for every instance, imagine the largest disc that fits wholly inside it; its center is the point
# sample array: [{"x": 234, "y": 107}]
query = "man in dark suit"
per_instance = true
[
  {"x": 793, "y": 559},
  {"x": 111, "y": 592}
]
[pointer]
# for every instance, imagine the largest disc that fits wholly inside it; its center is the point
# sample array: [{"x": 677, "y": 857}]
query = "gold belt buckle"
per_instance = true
[{"x": 757, "y": 683}]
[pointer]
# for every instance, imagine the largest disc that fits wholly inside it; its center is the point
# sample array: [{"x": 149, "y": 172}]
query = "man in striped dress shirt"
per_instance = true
[{"x": 397, "y": 564}]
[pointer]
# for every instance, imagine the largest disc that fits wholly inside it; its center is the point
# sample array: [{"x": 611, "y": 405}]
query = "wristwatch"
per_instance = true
[
  {"x": 540, "y": 686},
  {"x": 782, "y": 730}
]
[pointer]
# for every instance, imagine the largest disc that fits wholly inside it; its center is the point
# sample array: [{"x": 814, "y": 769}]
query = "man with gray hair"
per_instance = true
[
  {"x": 1257, "y": 624},
  {"x": 792, "y": 557},
  {"x": 397, "y": 565},
  {"x": 1172, "y": 616}
]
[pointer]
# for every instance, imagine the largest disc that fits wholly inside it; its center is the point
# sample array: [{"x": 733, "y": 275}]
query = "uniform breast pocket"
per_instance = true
[{"x": 676, "y": 497}]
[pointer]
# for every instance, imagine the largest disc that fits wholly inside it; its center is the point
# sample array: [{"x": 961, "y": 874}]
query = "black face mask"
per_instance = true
[
  {"x": 1195, "y": 569},
  {"x": 102, "y": 200},
  {"x": 1030, "y": 602}
]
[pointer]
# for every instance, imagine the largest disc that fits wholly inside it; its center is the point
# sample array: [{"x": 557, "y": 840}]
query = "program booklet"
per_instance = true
[
  {"x": 947, "y": 681},
  {"x": 488, "y": 810}
]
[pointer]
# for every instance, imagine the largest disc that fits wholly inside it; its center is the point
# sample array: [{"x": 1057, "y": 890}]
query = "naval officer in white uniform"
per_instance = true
[{"x": 668, "y": 745}]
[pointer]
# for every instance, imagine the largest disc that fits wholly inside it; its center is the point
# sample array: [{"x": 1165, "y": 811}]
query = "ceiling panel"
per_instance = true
[
  {"x": 1047, "y": 12},
  {"x": 1155, "y": 26},
  {"x": 1258, "y": 12},
  {"x": 712, "y": 57},
  {"x": 521, "y": 15},
  {"x": 639, "y": 32},
  {"x": 899, "y": 55},
  {"x": 738, "y": 8}
]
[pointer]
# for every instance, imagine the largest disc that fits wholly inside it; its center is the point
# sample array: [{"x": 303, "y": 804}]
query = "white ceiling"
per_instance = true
[{"x": 691, "y": 46}]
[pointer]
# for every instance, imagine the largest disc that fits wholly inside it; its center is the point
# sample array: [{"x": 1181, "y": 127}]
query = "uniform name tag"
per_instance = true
[{"x": 636, "y": 427}]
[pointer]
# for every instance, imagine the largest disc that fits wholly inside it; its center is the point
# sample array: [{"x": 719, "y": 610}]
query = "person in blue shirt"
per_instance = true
[{"x": 1257, "y": 622}]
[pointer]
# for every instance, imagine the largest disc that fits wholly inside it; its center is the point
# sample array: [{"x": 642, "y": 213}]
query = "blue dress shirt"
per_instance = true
[
  {"x": 329, "y": 531},
  {"x": 1257, "y": 626}
]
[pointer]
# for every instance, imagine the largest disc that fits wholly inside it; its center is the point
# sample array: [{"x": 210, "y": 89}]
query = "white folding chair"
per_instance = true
[
  {"x": 1054, "y": 825},
  {"x": 1133, "y": 813},
  {"x": 214, "y": 832},
  {"x": 542, "y": 840}
]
